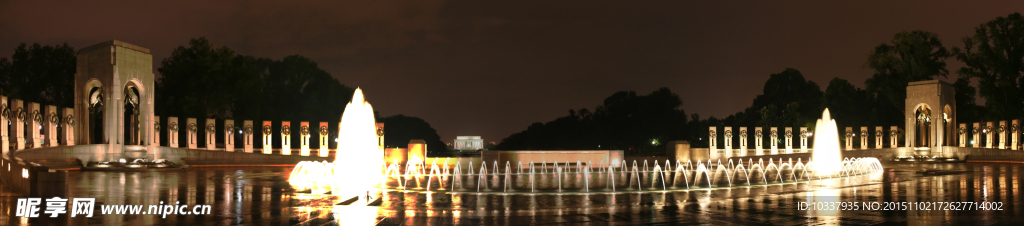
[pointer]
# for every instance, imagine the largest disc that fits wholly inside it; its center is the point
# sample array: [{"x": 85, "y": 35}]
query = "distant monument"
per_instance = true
[{"x": 468, "y": 143}]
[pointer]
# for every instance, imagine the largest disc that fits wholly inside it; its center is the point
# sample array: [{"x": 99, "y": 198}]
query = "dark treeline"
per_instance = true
[
  {"x": 207, "y": 82},
  {"x": 41, "y": 74},
  {"x": 625, "y": 121},
  {"x": 994, "y": 56},
  {"x": 202, "y": 81}
]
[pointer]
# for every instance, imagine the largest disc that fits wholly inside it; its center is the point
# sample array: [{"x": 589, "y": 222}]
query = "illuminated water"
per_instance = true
[
  {"x": 356, "y": 167},
  {"x": 262, "y": 196},
  {"x": 826, "y": 144}
]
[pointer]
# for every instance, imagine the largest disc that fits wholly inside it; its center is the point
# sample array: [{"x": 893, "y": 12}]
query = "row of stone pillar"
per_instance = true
[
  {"x": 31, "y": 125},
  {"x": 788, "y": 136},
  {"x": 191, "y": 129},
  {"x": 1000, "y": 130}
]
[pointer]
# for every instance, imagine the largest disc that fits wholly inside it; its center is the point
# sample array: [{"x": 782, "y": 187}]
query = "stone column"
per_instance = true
[
  {"x": 268, "y": 138},
  {"x": 286, "y": 138},
  {"x": 976, "y": 135},
  {"x": 304, "y": 138},
  {"x": 211, "y": 134},
  {"x": 1014, "y": 134},
  {"x": 863, "y": 137},
  {"x": 728, "y": 141},
  {"x": 156, "y": 131},
  {"x": 849, "y": 138},
  {"x": 69, "y": 126},
  {"x": 35, "y": 123},
  {"x": 988, "y": 134},
  {"x": 894, "y": 133},
  {"x": 712, "y": 139},
  {"x": 5, "y": 140},
  {"x": 51, "y": 121},
  {"x": 879, "y": 136},
  {"x": 172, "y": 132},
  {"x": 743, "y": 141},
  {"x": 229, "y": 135},
  {"x": 773, "y": 139},
  {"x": 1002, "y": 134},
  {"x": 18, "y": 123},
  {"x": 247, "y": 132},
  {"x": 803, "y": 139},
  {"x": 324, "y": 142},
  {"x": 789, "y": 140},
  {"x": 758, "y": 141},
  {"x": 962, "y": 134},
  {"x": 192, "y": 133}
]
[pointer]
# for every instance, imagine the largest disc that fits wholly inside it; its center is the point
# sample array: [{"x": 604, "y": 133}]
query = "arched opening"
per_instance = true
[
  {"x": 131, "y": 116},
  {"x": 948, "y": 127},
  {"x": 923, "y": 126},
  {"x": 96, "y": 116}
]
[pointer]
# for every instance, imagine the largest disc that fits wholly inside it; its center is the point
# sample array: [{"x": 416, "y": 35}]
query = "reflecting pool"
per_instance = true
[{"x": 263, "y": 196}]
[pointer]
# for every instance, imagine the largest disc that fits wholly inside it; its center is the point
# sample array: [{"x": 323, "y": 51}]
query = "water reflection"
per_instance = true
[{"x": 262, "y": 196}]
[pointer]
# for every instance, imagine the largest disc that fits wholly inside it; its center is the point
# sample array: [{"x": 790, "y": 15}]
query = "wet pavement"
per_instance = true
[{"x": 262, "y": 196}]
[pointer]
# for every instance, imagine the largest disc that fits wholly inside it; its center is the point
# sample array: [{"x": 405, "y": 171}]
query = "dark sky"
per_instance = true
[{"x": 491, "y": 68}]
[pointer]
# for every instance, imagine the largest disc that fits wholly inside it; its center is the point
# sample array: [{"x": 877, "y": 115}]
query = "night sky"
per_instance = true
[{"x": 491, "y": 68}]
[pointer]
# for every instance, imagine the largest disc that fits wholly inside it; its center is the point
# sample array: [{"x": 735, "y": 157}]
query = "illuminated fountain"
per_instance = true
[
  {"x": 359, "y": 168},
  {"x": 566, "y": 177},
  {"x": 356, "y": 158},
  {"x": 826, "y": 145}
]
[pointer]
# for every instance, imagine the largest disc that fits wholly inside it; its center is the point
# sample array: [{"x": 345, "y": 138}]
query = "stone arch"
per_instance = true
[
  {"x": 949, "y": 126},
  {"x": 135, "y": 113},
  {"x": 95, "y": 100},
  {"x": 923, "y": 125}
]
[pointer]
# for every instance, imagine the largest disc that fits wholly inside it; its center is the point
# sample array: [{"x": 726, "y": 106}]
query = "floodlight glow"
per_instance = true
[{"x": 826, "y": 146}]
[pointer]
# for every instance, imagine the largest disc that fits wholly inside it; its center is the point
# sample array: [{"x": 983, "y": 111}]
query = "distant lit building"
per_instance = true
[{"x": 469, "y": 143}]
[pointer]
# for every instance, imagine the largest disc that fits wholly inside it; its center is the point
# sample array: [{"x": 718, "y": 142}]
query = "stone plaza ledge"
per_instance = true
[
  {"x": 43, "y": 172},
  {"x": 64, "y": 156}
]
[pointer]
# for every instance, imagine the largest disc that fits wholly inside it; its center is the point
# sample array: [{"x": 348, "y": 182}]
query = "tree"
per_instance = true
[
  {"x": 788, "y": 91},
  {"x": 197, "y": 81},
  {"x": 995, "y": 56},
  {"x": 966, "y": 109},
  {"x": 400, "y": 129},
  {"x": 42, "y": 74},
  {"x": 848, "y": 104},
  {"x": 912, "y": 56}
]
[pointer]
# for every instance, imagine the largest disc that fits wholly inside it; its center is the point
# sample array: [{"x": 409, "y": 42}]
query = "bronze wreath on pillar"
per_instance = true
[
  {"x": 70, "y": 120},
  {"x": 247, "y": 130},
  {"x": 266, "y": 130},
  {"x": 173, "y": 127},
  {"x": 304, "y": 130},
  {"x": 286, "y": 129},
  {"x": 323, "y": 130},
  {"x": 192, "y": 127},
  {"x": 228, "y": 128},
  {"x": 37, "y": 117}
]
